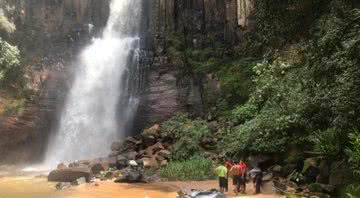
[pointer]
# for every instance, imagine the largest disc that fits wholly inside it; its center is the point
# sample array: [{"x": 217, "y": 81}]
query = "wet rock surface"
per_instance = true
[{"x": 69, "y": 174}]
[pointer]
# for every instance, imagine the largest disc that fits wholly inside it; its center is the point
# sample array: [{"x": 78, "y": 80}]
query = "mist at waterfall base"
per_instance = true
[{"x": 89, "y": 121}]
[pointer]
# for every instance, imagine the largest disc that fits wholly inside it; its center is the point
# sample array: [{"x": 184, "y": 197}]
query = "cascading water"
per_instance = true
[{"x": 89, "y": 122}]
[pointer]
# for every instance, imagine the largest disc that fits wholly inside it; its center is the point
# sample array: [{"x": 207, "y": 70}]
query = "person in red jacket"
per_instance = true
[{"x": 243, "y": 175}]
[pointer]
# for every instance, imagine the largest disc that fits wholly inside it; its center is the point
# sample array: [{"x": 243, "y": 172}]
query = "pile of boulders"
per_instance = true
[
  {"x": 127, "y": 162},
  {"x": 146, "y": 149}
]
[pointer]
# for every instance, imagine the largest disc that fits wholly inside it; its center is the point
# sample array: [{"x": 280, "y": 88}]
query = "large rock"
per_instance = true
[
  {"x": 121, "y": 162},
  {"x": 149, "y": 140},
  {"x": 164, "y": 153},
  {"x": 151, "y": 150},
  {"x": 69, "y": 174},
  {"x": 130, "y": 176},
  {"x": 153, "y": 131},
  {"x": 98, "y": 167},
  {"x": 150, "y": 163},
  {"x": 61, "y": 166},
  {"x": 79, "y": 181},
  {"x": 62, "y": 185}
]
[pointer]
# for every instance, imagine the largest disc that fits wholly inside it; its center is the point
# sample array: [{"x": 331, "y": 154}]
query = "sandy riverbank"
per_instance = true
[{"x": 38, "y": 187}]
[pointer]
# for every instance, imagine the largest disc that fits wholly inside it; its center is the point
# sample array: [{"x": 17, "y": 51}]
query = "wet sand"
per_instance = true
[{"x": 38, "y": 187}]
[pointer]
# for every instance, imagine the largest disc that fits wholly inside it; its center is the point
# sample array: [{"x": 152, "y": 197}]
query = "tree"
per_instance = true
[{"x": 9, "y": 55}]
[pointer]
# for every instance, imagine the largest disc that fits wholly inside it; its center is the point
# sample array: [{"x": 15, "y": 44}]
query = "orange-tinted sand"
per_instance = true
[{"x": 34, "y": 187}]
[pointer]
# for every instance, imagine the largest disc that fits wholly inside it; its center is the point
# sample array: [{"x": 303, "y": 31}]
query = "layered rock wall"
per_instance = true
[{"x": 173, "y": 87}]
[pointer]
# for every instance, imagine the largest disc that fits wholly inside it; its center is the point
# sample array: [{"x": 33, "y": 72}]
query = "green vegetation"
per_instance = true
[
  {"x": 9, "y": 55},
  {"x": 9, "y": 61},
  {"x": 303, "y": 92},
  {"x": 353, "y": 191},
  {"x": 354, "y": 152},
  {"x": 11, "y": 107},
  {"x": 196, "y": 168},
  {"x": 186, "y": 134}
]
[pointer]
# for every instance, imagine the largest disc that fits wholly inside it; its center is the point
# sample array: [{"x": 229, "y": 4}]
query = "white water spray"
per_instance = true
[{"x": 88, "y": 122}]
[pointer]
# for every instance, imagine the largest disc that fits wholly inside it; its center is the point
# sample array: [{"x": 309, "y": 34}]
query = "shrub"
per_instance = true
[
  {"x": 196, "y": 168},
  {"x": 186, "y": 134},
  {"x": 9, "y": 60},
  {"x": 354, "y": 152},
  {"x": 353, "y": 191},
  {"x": 243, "y": 113},
  {"x": 326, "y": 143}
]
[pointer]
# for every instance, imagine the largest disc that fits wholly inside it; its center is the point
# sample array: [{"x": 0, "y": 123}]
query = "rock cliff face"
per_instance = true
[
  {"x": 173, "y": 87},
  {"x": 51, "y": 32}
]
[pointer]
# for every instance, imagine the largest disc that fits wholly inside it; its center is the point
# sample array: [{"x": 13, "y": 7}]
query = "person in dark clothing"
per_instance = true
[
  {"x": 258, "y": 182},
  {"x": 257, "y": 176}
]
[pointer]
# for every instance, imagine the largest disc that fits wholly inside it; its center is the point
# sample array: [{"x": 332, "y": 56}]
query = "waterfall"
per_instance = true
[{"x": 91, "y": 120}]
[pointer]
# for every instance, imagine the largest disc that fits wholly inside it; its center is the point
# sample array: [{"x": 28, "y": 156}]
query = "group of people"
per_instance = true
[{"x": 238, "y": 172}]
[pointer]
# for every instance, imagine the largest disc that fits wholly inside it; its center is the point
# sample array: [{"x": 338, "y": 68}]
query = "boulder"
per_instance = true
[
  {"x": 155, "y": 128},
  {"x": 150, "y": 163},
  {"x": 116, "y": 146},
  {"x": 149, "y": 140},
  {"x": 69, "y": 174},
  {"x": 151, "y": 150},
  {"x": 152, "y": 178},
  {"x": 131, "y": 140},
  {"x": 121, "y": 162},
  {"x": 98, "y": 167},
  {"x": 130, "y": 176},
  {"x": 159, "y": 158},
  {"x": 61, "y": 166},
  {"x": 153, "y": 131},
  {"x": 78, "y": 181},
  {"x": 164, "y": 153},
  {"x": 133, "y": 163},
  {"x": 267, "y": 177},
  {"x": 163, "y": 163},
  {"x": 62, "y": 185},
  {"x": 84, "y": 162},
  {"x": 276, "y": 171},
  {"x": 158, "y": 147}
]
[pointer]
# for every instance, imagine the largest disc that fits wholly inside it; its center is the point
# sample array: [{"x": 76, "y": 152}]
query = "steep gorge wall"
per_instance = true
[
  {"x": 172, "y": 87},
  {"x": 51, "y": 32}
]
